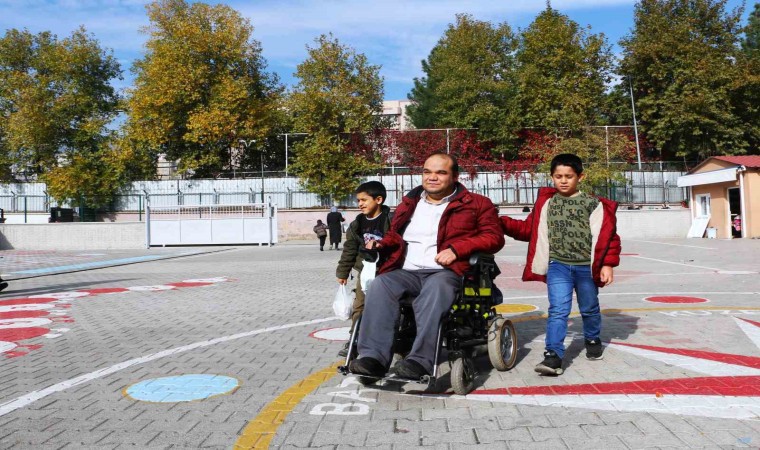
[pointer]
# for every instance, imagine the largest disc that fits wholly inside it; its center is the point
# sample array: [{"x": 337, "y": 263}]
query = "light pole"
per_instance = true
[{"x": 635, "y": 128}]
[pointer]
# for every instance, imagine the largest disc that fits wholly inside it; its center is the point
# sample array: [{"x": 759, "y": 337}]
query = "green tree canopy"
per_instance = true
[
  {"x": 338, "y": 93},
  {"x": 55, "y": 101},
  {"x": 681, "y": 58},
  {"x": 562, "y": 73},
  {"x": 201, "y": 87},
  {"x": 751, "y": 40},
  {"x": 469, "y": 82}
]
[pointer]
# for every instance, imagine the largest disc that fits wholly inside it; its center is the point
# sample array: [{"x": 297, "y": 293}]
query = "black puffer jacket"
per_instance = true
[{"x": 354, "y": 241}]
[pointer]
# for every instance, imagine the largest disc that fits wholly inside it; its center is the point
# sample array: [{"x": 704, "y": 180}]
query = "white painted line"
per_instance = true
[
  {"x": 665, "y": 243},
  {"x": 677, "y": 263},
  {"x": 705, "y": 366},
  {"x": 33, "y": 396},
  {"x": 750, "y": 330},
  {"x": 727, "y": 407},
  {"x": 612, "y": 294},
  {"x": 618, "y": 275}
]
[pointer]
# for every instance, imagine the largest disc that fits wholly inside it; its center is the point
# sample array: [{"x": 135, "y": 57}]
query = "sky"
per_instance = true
[{"x": 395, "y": 34}]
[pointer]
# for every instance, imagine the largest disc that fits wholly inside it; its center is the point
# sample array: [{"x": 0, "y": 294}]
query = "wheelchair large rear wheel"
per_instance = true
[
  {"x": 502, "y": 344},
  {"x": 463, "y": 376}
]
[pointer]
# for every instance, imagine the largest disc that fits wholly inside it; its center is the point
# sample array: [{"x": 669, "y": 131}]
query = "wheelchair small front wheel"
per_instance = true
[
  {"x": 463, "y": 376},
  {"x": 502, "y": 344},
  {"x": 367, "y": 381}
]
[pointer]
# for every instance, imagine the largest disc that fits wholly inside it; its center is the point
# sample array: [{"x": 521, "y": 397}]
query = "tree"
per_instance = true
[
  {"x": 469, "y": 82},
  {"x": 562, "y": 73},
  {"x": 338, "y": 94},
  {"x": 745, "y": 90},
  {"x": 55, "y": 103},
  {"x": 604, "y": 154},
  {"x": 681, "y": 59},
  {"x": 751, "y": 41},
  {"x": 201, "y": 87}
]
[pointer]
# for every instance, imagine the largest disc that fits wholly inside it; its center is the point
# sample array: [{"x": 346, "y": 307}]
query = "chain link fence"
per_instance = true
[{"x": 640, "y": 187}]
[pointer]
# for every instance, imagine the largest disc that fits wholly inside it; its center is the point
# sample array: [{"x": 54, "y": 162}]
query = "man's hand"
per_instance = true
[
  {"x": 606, "y": 275},
  {"x": 342, "y": 281},
  {"x": 446, "y": 257}
]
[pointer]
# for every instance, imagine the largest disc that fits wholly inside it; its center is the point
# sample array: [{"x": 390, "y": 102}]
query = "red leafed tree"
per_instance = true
[
  {"x": 536, "y": 145},
  {"x": 414, "y": 147}
]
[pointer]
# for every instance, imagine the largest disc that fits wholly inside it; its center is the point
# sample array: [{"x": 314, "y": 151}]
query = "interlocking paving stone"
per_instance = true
[{"x": 271, "y": 287}]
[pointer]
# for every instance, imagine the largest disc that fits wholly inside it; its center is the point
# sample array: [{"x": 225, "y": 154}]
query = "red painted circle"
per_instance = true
[
  {"x": 675, "y": 299},
  {"x": 26, "y": 301},
  {"x": 189, "y": 284},
  {"x": 19, "y": 334},
  {"x": 22, "y": 314},
  {"x": 97, "y": 291}
]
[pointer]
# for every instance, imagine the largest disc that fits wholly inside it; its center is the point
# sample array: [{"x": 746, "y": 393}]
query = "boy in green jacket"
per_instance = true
[{"x": 371, "y": 224}]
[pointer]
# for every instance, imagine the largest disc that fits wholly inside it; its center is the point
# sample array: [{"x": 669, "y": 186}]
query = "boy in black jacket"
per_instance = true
[{"x": 370, "y": 225}]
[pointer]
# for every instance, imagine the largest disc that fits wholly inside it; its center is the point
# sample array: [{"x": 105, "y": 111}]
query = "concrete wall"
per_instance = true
[
  {"x": 73, "y": 236},
  {"x": 632, "y": 224},
  {"x": 293, "y": 225}
]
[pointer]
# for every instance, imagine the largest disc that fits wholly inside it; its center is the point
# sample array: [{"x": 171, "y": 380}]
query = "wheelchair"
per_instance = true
[{"x": 471, "y": 323}]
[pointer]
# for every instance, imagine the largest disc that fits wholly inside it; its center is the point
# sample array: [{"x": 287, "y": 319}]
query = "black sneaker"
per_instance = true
[
  {"x": 344, "y": 351},
  {"x": 3, "y": 285},
  {"x": 594, "y": 349},
  {"x": 367, "y": 366},
  {"x": 406, "y": 368},
  {"x": 551, "y": 365}
]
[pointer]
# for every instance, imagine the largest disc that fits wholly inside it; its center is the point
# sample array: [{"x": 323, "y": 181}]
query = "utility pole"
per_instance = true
[{"x": 635, "y": 128}]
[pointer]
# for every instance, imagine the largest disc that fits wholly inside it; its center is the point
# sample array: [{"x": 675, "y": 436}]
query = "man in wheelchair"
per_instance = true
[{"x": 435, "y": 230}]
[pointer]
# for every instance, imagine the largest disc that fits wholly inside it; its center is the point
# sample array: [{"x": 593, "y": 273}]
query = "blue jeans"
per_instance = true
[{"x": 561, "y": 279}]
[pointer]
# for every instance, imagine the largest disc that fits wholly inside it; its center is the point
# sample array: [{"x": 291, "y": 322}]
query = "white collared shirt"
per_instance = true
[{"x": 421, "y": 235}]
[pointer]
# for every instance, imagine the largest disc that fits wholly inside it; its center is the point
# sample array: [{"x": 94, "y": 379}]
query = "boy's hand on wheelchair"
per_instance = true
[
  {"x": 446, "y": 257},
  {"x": 606, "y": 275},
  {"x": 342, "y": 281}
]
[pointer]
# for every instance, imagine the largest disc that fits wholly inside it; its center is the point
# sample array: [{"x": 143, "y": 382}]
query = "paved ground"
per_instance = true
[{"x": 231, "y": 349}]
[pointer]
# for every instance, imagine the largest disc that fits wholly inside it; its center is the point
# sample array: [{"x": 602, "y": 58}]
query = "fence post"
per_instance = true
[
  {"x": 25, "y": 209},
  {"x": 147, "y": 220}
]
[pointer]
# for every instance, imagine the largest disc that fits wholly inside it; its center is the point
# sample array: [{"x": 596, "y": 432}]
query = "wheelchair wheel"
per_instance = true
[
  {"x": 367, "y": 381},
  {"x": 502, "y": 344},
  {"x": 463, "y": 376}
]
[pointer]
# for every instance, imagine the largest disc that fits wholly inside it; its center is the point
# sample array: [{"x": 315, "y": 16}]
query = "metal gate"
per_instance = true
[{"x": 251, "y": 223}]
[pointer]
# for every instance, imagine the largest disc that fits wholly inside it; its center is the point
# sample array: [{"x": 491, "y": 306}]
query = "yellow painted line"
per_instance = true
[
  {"x": 260, "y": 431},
  {"x": 515, "y": 308}
]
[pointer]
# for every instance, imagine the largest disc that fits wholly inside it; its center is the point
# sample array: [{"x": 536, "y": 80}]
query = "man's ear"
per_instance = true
[
  {"x": 582, "y": 177},
  {"x": 379, "y": 200}
]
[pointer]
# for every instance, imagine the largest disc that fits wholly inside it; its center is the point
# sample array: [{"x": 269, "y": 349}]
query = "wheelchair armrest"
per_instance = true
[{"x": 484, "y": 263}]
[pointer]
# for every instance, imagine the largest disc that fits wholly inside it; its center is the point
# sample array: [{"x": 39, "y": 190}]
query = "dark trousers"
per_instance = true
[
  {"x": 435, "y": 292},
  {"x": 322, "y": 240}
]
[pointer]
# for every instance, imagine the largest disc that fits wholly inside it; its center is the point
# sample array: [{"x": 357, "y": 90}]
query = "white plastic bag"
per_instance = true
[
  {"x": 343, "y": 303},
  {"x": 369, "y": 270}
]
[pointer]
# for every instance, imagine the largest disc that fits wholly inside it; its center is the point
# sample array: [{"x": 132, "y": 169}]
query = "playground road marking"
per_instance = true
[
  {"x": 677, "y": 263},
  {"x": 609, "y": 294},
  {"x": 33, "y": 396},
  {"x": 675, "y": 245}
]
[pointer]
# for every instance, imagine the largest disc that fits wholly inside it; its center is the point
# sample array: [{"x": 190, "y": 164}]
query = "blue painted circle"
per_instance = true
[{"x": 182, "y": 388}]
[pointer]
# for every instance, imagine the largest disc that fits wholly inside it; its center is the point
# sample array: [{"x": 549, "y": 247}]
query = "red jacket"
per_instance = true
[
  {"x": 535, "y": 230},
  {"x": 469, "y": 224}
]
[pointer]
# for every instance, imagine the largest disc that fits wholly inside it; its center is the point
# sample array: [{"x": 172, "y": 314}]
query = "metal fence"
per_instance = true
[{"x": 641, "y": 187}]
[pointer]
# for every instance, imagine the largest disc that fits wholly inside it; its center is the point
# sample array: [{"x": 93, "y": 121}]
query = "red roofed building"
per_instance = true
[{"x": 725, "y": 197}]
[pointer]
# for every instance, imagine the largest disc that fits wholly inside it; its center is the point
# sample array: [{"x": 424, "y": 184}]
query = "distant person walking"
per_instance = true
[
  {"x": 321, "y": 229},
  {"x": 335, "y": 223}
]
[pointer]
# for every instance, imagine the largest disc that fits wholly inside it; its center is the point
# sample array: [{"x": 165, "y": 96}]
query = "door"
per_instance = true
[
  {"x": 703, "y": 206},
  {"x": 734, "y": 212},
  {"x": 702, "y": 216}
]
